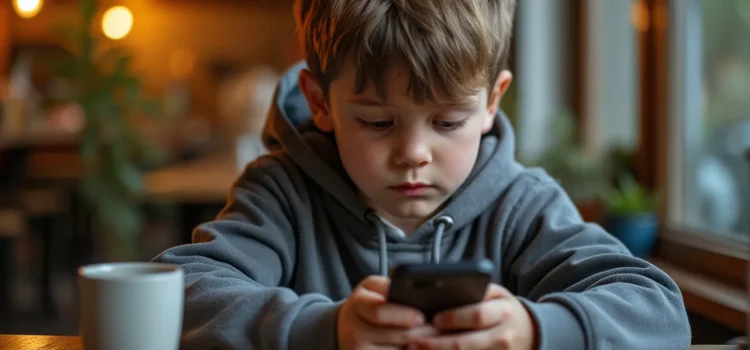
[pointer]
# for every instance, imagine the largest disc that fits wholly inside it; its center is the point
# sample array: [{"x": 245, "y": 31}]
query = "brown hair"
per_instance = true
[{"x": 452, "y": 48}]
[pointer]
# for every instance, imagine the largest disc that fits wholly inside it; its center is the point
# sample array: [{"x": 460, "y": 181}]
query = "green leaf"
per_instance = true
[
  {"x": 108, "y": 93},
  {"x": 132, "y": 178},
  {"x": 88, "y": 10},
  {"x": 629, "y": 198},
  {"x": 119, "y": 76},
  {"x": 65, "y": 68},
  {"x": 90, "y": 141},
  {"x": 149, "y": 154},
  {"x": 113, "y": 54},
  {"x": 151, "y": 107},
  {"x": 67, "y": 33}
]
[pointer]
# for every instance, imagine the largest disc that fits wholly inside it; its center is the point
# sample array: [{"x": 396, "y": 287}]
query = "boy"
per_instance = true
[{"x": 408, "y": 159}]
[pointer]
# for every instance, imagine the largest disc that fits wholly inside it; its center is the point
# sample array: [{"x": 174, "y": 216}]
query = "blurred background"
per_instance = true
[{"x": 123, "y": 123}]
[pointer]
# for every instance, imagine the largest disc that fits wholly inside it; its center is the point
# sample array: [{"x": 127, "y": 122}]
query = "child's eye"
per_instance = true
[
  {"x": 378, "y": 125},
  {"x": 449, "y": 125}
]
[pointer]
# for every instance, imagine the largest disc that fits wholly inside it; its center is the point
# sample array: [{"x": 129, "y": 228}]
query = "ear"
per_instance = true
[
  {"x": 315, "y": 100},
  {"x": 493, "y": 100}
]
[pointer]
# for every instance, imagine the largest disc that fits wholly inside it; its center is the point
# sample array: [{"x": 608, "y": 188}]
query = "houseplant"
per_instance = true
[
  {"x": 113, "y": 154},
  {"x": 582, "y": 175},
  {"x": 630, "y": 215}
]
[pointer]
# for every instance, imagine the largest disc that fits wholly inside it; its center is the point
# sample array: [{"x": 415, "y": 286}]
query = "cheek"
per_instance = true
[
  {"x": 458, "y": 158},
  {"x": 362, "y": 160}
]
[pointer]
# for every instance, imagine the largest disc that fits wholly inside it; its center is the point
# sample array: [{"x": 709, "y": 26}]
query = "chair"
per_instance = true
[
  {"x": 45, "y": 211},
  {"x": 12, "y": 227}
]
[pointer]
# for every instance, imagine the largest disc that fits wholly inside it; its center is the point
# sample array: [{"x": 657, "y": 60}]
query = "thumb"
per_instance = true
[
  {"x": 377, "y": 284},
  {"x": 495, "y": 291}
]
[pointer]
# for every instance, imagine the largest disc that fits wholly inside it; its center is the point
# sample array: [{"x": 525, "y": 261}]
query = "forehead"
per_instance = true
[{"x": 392, "y": 86}]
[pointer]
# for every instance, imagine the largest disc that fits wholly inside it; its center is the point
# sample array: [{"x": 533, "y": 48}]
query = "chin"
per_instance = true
[{"x": 413, "y": 210}]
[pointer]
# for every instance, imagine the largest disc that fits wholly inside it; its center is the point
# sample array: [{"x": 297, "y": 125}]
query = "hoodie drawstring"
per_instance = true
[
  {"x": 382, "y": 245},
  {"x": 443, "y": 223}
]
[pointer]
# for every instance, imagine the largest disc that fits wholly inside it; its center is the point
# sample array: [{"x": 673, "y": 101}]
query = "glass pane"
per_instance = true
[{"x": 717, "y": 142}]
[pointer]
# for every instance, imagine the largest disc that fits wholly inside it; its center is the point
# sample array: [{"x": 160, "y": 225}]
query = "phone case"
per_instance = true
[{"x": 433, "y": 288}]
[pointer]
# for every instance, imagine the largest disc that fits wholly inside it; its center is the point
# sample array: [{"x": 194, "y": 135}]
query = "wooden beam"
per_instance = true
[
  {"x": 577, "y": 19},
  {"x": 5, "y": 39},
  {"x": 651, "y": 158}
]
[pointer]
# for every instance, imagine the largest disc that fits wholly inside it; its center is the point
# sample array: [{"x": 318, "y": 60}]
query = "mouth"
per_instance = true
[{"x": 411, "y": 188}]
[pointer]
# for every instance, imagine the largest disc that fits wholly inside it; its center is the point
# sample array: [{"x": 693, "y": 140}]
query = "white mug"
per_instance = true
[{"x": 131, "y": 305}]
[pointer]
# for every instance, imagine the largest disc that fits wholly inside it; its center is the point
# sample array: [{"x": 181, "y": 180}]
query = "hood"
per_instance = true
[{"x": 289, "y": 128}]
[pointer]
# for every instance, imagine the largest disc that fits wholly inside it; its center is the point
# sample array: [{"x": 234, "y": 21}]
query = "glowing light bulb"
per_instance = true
[
  {"x": 27, "y": 8},
  {"x": 117, "y": 22}
]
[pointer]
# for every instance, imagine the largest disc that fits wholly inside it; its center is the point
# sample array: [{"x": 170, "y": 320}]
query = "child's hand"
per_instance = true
[
  {"x": 498, "y": 322},
  {"x": 367, "y": 321}
]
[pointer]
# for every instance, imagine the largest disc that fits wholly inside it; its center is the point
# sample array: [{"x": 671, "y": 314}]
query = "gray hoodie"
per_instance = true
[{"x": 271, "y": 271}]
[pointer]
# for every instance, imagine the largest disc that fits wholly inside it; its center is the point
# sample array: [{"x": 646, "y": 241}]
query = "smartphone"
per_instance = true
[{"x": 433, "y": 288}]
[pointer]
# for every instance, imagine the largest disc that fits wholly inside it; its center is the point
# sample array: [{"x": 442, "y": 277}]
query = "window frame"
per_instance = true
[{"x": 686, "y": 254}]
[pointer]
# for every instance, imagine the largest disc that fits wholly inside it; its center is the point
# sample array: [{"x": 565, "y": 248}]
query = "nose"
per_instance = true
[{"x": 412, "y": 151}]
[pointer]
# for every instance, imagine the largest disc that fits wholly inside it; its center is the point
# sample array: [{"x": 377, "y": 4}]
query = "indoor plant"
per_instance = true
[
  {"x": 113, "y": 154},
  {"x": 582, "y": 175},
  {"x": 630, "y": 211}
]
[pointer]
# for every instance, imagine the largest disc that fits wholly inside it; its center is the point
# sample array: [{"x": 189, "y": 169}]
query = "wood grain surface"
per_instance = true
[{"x": 39, "y": 342}]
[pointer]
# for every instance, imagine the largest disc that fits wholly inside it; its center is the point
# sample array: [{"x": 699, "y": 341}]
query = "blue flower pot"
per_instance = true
[{"x": 638, "y": 232}]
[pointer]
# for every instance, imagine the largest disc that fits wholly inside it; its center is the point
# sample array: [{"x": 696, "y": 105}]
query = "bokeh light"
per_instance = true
[
  {"x": 27, "y": 8},
  {"x": 117, "y": 22}
]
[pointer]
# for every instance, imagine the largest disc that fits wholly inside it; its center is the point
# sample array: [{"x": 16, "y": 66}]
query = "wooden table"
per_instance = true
[
  {"x": 199, "y": 188},
  {"x": 38, "y": 138},
  {"x": 39, "y": 342},
  {"x": 42, "y": 342},
  {"x": 206, "y": 179}
]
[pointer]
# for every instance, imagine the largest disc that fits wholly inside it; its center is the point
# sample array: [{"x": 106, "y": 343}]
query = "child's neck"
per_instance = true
[{"x": 408, "y": 226}]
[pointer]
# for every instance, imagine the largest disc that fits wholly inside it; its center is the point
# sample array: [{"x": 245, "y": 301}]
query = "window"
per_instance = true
[
  {"x": 695, "y": 138},
  {"x": 709, "y": 172}
]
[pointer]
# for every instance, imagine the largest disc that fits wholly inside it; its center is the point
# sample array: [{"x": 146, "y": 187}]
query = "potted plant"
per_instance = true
[
  {"x": 582, "y": 175},
  {"x": 630, "y": 211},
  {"x": 114, "y": 155}
]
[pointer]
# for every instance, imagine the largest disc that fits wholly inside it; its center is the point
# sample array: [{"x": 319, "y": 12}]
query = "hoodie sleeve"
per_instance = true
[
  {"x": 236, "y": 271},
  {"x": 582, "y": 286}
]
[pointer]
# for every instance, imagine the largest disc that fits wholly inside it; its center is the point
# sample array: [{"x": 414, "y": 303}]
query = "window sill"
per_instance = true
[{"x": 718, "y": 301}]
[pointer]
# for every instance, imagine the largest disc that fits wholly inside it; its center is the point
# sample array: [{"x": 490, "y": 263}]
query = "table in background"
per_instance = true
[
  {"x": 198, "y": 187},
  {"x": 28, "y": 342},
  {"x": 206, "y": 179},
  {"x": 45, "y": 137}
]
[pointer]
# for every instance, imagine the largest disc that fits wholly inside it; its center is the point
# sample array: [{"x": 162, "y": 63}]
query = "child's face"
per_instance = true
[{"x": 406, "y": 158}]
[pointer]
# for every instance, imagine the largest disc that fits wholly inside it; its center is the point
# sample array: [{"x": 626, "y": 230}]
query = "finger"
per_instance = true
[
  {"x": 470, "y": 340},
  {"x": 398, "y": 337},
  {"x": 389, "y": 315},
  {"x": 364, "y": 298},
  {"x": 372, "y": 308},
  {"x": 377, "y": 284},
  {"x": 495, "y": 291},
  {"x": 378, "y": 347},
  {"x": 478, "y": 316}
]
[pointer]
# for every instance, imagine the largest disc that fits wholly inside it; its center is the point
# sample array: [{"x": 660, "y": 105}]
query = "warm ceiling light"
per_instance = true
[
  {"x": 27, "y": 8},
  {"x": 117, "y": 22}
]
